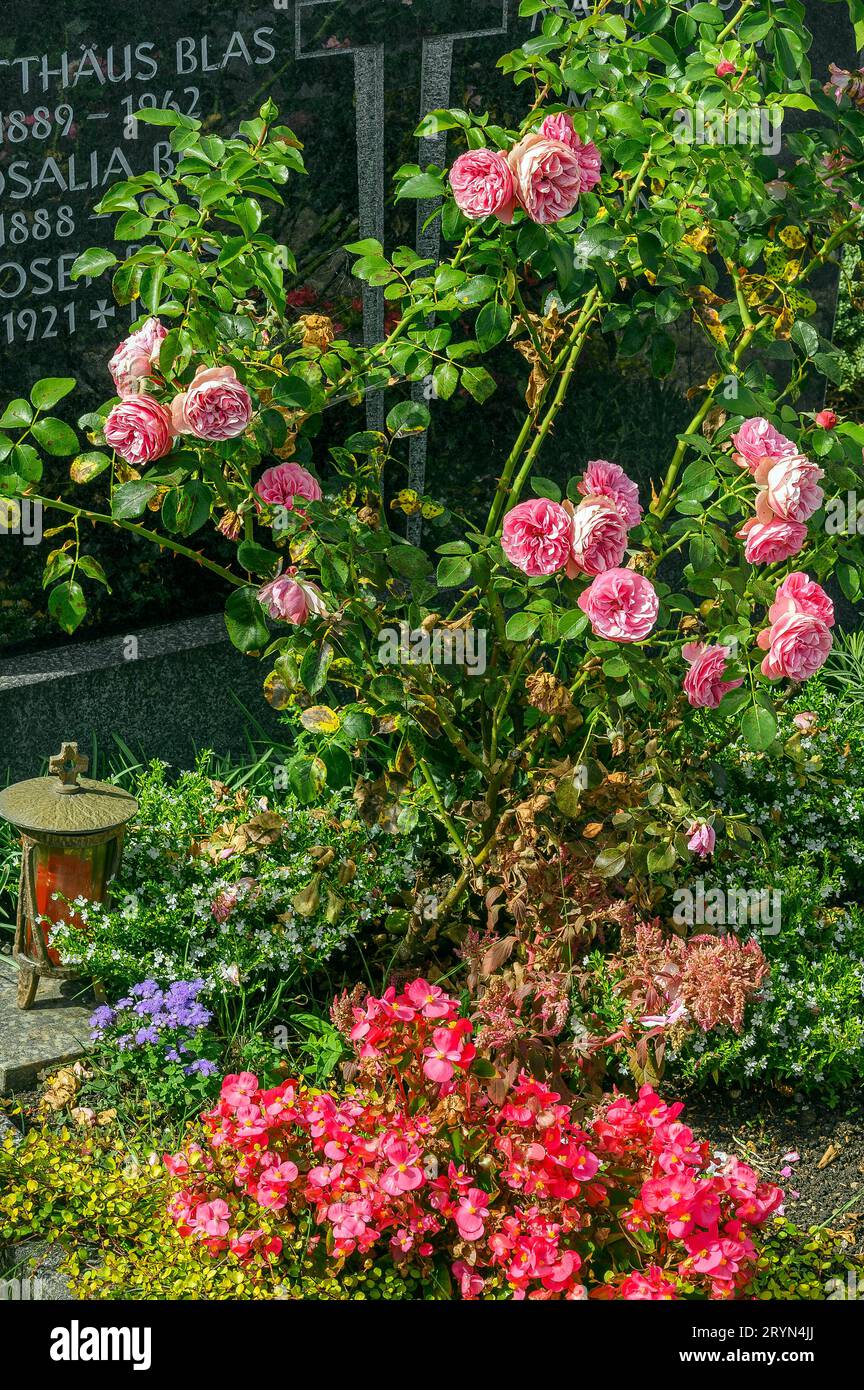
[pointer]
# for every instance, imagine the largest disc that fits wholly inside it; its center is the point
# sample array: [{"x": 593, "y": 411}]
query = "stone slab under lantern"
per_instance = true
[{"x": 53, "y": 1031}]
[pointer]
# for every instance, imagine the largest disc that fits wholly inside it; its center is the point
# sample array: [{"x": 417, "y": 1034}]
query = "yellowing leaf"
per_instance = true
[{"x": 320, "y": 719}]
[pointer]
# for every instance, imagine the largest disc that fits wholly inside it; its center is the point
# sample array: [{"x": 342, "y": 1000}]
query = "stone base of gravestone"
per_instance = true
[
  {"x": 166, "y": 692},
  {"x": 53, "y": 1031}
]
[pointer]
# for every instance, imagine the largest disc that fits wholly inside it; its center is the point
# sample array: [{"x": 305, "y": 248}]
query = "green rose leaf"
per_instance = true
[
  {"x": 759, "y": 728},
  {"x": 67, "y": 605},
  {"x": 244, "y": 620},
  {"x": 55, "y": 436},
  {"x": 130, "y": 499},
  {"x": 50, "y": 390},
  {"x": 92, "y": 262}
]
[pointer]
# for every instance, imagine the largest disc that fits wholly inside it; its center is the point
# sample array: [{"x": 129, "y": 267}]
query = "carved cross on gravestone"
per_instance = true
[{"x": 370, "y": 31}]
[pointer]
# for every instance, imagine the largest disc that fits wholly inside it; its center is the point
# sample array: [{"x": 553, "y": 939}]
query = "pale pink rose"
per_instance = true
[
  {"x": 725, "y": 69},
  {"x": 560, "y": 127},
  {"x": 704, "y": 685},
  {"x": 599, "y": 537},
  {"x": 757, "y": 439},
  {"x": 795, "y": 646},
  {"x": 604, "y": 479},
  {"x": 291, "y": 600},
  {"x": 793, "y": 490},
  {"x": 216, "y": 406},
  {"x": 805, "y": 721},
  {"x": 766, "y": 542},
  {"x": 535, "y": 536},
  {"x": 133, "y": 361},
  {"x": 280, "y": 485},
  {"x": 702, "y": 839},
  {"x": 547, "y": 176},
  {"x": 621, "y": 605},
  {"x": 800, "y": 594},
  {"x": 139, "y": 429},
  {"x": 483, "y": 185}
]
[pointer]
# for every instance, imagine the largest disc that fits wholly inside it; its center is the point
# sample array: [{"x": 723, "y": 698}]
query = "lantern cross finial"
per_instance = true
[{"x": 67, "y": 764}]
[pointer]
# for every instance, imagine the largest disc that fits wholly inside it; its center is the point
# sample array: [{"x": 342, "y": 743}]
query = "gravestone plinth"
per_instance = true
[{"x": 55, "y": 1030}]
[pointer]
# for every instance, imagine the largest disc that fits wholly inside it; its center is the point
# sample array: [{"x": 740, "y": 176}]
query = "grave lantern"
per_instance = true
[{"x": 71, "y": 841}]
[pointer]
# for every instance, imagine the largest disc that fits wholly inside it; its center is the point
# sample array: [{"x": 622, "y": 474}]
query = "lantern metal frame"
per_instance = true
[{"x": 84, "y": 822}]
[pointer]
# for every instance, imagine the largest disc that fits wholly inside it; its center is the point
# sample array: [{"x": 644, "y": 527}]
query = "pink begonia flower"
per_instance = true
[
  {"x": 403, "y": 1175},
  {"x": 133, "y": 361},
  {"x": 535, "y": 536},
  {"x": 805, "y": 721},
  {"x": 792, "y": 490},
  {"x": 621, "y": 605},
  {"x": 291, "y": 600},
  {"x": 547, "y": 177},
  {"x": 826, "y": 419},
  {"x": 471, "y": 1285},
  {"x": 237, "y": 1087},
  {"x": 471, "y": 1212},
  {"x": 443, "y": 1056},
  {"x": 216, "y": 406},
  {"x": 483, "y": 185},
  {"x": 766, "y": 542},
  {"x": 725, "y": 68},
  {"x": 599, "y": 537},
  {"x": 560, "y": 127},
  {"x": 212, "y": 1218},
  {"x": 704, "y": 685},
  {"x": 139, "y": 429},
  {"x": 429, "y": 1000},
  {"x": 757, "y": 439},
  {"x": 280, "y": 485},
  {"x": 800, "y": 594},
  {"x": 702, "y": 839},
  {"x": 604, "y": 479},
  {"x": 795, "y": 646}
]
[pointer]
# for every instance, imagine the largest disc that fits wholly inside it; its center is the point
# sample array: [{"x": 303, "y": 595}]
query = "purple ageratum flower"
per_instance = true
[
  {"x": 101, "y": 1017},
  {"x": 172, "y": 1055},
  {"x": 147, "y": 1035},
  {"x": 203, "y": 1067},
  {"x": 145, "y": 989}
]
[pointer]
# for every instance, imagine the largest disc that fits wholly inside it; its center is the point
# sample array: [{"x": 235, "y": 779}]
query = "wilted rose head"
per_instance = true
[{"x": 291, "y": 600}]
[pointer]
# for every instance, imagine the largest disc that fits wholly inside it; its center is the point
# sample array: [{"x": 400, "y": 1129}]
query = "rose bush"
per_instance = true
[{"x": 613, "y": 220}]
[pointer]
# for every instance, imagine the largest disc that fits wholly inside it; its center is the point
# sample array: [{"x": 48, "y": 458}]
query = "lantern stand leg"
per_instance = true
[
  {"x": 99, "y": 991},
  {"x": 28, "y": 983}
]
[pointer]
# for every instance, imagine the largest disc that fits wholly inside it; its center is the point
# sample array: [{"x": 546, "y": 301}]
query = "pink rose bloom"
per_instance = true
[
  {"x": 599, "y": 537},
  {"x": 133, "y": 361},
  {"x": 702, "y": 839},
  {"x": 766, "y": 542},
  {"x": 621, "y": 605},
  {"x": 800, "y": 594},
  {"x": 547, "y": 177},
  {"x": 604, "y": 479},
  {"x": 560, "y": 127},
  {"x": 826, "y": 419},
  {"x": 139, "y": 429},
  {"x": 795, "y": 646},
  {"x": 483, "y": 185},
  {"x": 216, "y": 406},
  {"x": 280, "y": 485},
  {"x": 536, "y": 536},
  {"x": 704, "y": 685},
  {"x": 805, "y": 721},
  {"x": 291, "y": 600},
  {"x": 756, "y": 440},
  {"x": 725, "y": 69},
  {"x": 793, "y": 490}
]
